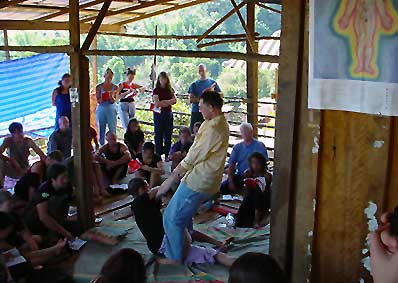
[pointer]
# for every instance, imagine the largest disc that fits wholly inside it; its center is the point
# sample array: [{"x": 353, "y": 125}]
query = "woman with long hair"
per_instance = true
[
  {"x": 61, "y": 99},
  {"x": 163, "y": 97},
  {"x": 127, "y": 90},
  {"x": 134, "y": 137},
  {"x": 106, "y": 109}
]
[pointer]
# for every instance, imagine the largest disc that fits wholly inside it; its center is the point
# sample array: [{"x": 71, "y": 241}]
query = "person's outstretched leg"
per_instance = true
[{"x": 178, "y": 216}]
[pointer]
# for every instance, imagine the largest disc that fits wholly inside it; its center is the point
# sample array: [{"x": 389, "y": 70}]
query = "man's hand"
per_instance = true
[
  {"x": 210, "y": 88},
  {"x": 68, "y": 236},
  {"x": 110, "y": 164},
  {"x": 145, "y": 168},
  {"x": 383, "y": 254}
]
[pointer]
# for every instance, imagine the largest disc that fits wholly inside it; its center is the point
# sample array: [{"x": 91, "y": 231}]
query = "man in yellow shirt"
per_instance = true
[{"x": 201, "y": 172}]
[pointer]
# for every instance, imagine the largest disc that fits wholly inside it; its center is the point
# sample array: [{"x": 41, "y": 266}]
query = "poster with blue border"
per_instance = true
[{"x": 354, "y": 56}]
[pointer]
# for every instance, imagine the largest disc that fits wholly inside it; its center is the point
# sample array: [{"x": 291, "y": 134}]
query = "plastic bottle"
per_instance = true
[{"x": 230, "y": 220}]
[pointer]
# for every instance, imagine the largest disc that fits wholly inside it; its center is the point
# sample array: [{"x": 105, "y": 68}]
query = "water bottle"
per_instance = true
[{"x": 230, "y": 220}]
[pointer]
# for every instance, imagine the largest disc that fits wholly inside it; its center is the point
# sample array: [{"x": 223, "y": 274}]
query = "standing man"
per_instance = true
[
  {"x": 61, "y": 139},
  {"x": 196, "y": 89},
  {"x": 201, "y": 172}
]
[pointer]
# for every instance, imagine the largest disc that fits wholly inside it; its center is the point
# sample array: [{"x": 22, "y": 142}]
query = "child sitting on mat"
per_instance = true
[{"x": 146, "y": 208}]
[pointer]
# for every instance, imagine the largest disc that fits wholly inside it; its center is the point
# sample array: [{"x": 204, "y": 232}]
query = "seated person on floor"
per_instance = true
[
  {"x": 195, "y": 129},
  {"x": 13, "y": 233},
  {"x": 26, "y": 187},
  {"x": 152, "y": 165},
  {"x": 61, "y": 139},
  {"x": 94, "y": 140},
  {"x": 146, "y": 208},
  {"x": 238, "y": 163},
  {"x": 124, "y": 266},
  {"x": 134, "y": 138},
  {"x": 16, "y": 164},
  {"x": 19, "y": 234},
  {"x": 113, "y": 157},
  {"x": 256, "y": 267},
  {"x": 40, "y": 167},
  {"x": 179, "y": 150},
  {"x": 48, "y": 209}
]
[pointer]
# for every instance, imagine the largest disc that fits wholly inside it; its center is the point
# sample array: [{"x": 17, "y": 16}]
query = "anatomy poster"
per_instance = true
[{"x": 354, "y": 56}]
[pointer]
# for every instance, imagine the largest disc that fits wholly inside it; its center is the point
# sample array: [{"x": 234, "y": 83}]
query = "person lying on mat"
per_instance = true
[
  {"x": 146, "y": 208},
  {"x": 114, "y": 157},
  {"x": 48, "y": 210},
  {"x": 152, "y": 165},
  {"x": 16, "y": 164}
]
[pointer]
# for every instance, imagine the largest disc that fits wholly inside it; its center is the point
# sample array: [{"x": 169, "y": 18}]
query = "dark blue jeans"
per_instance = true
[{"x": 163, "y": 124}]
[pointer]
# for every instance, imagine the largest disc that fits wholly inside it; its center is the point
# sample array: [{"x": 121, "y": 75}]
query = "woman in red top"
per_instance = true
[
  {"x": 163, "y": 97},
  {"x": 127, "y": 90}
]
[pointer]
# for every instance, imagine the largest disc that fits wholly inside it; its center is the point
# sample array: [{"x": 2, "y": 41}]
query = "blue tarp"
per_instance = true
[{"x": 26, "y": 84}]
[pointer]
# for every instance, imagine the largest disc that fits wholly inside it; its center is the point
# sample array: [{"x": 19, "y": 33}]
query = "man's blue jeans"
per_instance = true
[{"x": 178, "y": 217}]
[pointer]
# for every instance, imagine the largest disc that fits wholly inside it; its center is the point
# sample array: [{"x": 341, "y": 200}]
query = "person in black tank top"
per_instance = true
[{"x": 113, "y": 157}]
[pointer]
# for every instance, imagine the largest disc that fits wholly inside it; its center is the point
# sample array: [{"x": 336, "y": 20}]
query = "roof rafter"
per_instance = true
[
  {"x": 167, "y": 10},
  {"x": 4, "y": 4},
  {"x": 129, "y": 9}
]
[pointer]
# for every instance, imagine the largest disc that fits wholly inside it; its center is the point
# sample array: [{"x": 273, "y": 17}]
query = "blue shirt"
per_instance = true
[
  {"x": 198, "y": 87},
  {"x": 241, "y": 152}
]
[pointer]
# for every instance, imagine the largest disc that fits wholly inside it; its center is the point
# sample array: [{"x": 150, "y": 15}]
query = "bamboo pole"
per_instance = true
[
  {"x": 171, "y": 36},
  {"x": 252, "y": 70},
  {"x": 7, "y": 51},
  {"x": 81, "y": 122},
  {"x": 219, "y": 22},
  {"x": 249, "y": 37},
  {"x": 185, "y": 53},
  {"x": 94, "y": 62},
  {"x": 39, "y": 49},
  {"x": 268, "y": 8},
  {"x": 94, "y": 29}
]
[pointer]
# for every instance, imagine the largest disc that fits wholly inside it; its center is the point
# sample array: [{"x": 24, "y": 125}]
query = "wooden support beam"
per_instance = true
[
  {"x": 81, "y": 122},
  {"x": 251, "y": 68},
  {"x": 94, "y": 64},
  {"x": 219, "y": 22},
  {"x": 48, "y": 25},
  {"x": 172, "y": 36},
  {"x": 39, "y": 49},
  {"x": 167, "y": 10},
  {"x": 268, "y": 8},
  {"x": 65, "y": 10},
  {"x": 249, "y": 37},
  {"x": 291, "y": 60},
  {"x": 217, "y": 42},
  {"x": 185, "y": 53},
  {"x": 93, "y": 31},
  {"x": 137, "y": 6},
  {"x": 6, "y": 49},
  {"x": 5, "y": 3}
]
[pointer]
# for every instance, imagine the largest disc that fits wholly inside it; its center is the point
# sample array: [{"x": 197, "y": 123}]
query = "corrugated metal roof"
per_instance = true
[{"x": 267, "y": 47}]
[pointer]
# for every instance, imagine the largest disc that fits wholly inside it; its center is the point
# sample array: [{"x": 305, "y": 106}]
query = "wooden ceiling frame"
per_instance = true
[
  {"x": 219, "y": 22},
  {"x": 268, "y": 8},
  {"x": 141, "y": 5},
  {"x": 5, "y": 4},
  {"x": 250, "y": 39},
  {"x": 94, "y": 29},
  {"x": 65, "y": 10},
  {"x": 164, "y": 11}
]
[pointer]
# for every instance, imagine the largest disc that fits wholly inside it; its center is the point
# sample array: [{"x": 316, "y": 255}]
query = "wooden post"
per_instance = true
[
  {"x": 81, "y": 122},
  {"x": 94, "y": 63},
  {"x": 8, "y": 57},
  {"x": 252, "y": 70},
  {"x": 290, "y": 71}
]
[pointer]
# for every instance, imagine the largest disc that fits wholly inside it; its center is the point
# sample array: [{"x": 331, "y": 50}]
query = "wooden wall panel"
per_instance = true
[{"x": 353, "y": 169}]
